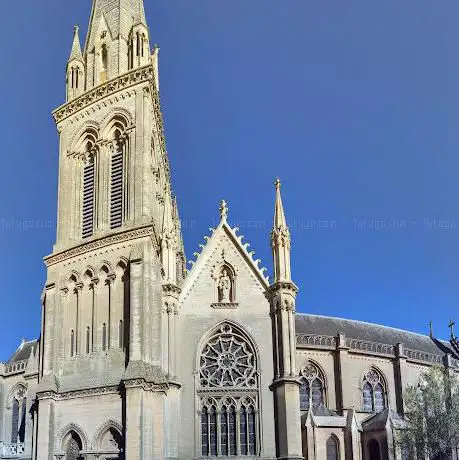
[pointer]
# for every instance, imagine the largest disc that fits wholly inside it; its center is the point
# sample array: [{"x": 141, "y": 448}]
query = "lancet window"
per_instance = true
[
  {"x": 228, "y": 418},
  {"x": 116, "y": 183},
  {"x": 88, "y": 194},
  {"x": 374, "y": 392},
  {"x": 312, "y": 389},
  {"x": 18, "y": 416},
  {"x": 332, "y": 448},
  {"x": 73, "y": 446}
]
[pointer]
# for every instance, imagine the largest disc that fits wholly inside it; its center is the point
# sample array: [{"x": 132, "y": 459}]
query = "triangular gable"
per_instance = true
[{"x": 209, "y": 248}]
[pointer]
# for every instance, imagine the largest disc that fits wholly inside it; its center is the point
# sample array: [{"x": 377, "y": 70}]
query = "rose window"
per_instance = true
[{"x": 227, "y": 360}]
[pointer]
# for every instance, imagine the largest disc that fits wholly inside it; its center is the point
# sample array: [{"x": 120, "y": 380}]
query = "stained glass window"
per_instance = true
[
  {"x": 373, "y": 392},
  {"x": 224, "y": 431},
  {"x": 312, "y": 387},
  {"x": 205, "y": 431},
  {"x": 228, "y": 422},
  {"x": 243, "y": 442}
]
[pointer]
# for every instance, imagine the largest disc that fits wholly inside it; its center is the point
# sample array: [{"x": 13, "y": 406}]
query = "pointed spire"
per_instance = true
[
  {"x": 280, "y": 239},
  {"x": 76, "y": 46},
  {"x": 140, "y": 13},
  {"x": 279, "y": 216}
]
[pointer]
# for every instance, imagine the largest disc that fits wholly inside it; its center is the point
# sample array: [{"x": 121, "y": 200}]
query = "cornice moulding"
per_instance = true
[{"x": 108, "y": 88}]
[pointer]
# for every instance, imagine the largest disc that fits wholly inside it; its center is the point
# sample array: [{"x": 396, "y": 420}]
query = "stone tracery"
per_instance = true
[{"x": 229, "y": 424}]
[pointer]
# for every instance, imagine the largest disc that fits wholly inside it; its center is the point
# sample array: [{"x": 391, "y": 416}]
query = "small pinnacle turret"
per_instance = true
[
  {"x": 280, "y": 239},
  {"x": 76, "y": 46},
  {"x": 75, "y": 68}
]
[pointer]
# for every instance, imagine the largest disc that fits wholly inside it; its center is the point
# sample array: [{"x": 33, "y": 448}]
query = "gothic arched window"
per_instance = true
[
  {"x": 228, "y": 419},
  {"x": 104, "y": 64},
  {"x": 88, "y": 340},
  {"x": 18, "y": 415},
  {"x": 332, "y": 448},
  {"x": 373, "y": 392},
  {"x": 88, "y": 194},
  {"x": 15, "y": 421},
  {"x": 312, "y": 387},
  {"x": 374, "y": 450},
  {"x": 104, "y": 336},
  {"x": 72, "y": 343},
  {"x": 73, "y": 446},
  {"x": 116, "y": 183}
]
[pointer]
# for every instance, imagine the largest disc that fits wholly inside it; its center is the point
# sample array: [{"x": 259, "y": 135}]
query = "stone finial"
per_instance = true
[{"x": 223, "y": 210}]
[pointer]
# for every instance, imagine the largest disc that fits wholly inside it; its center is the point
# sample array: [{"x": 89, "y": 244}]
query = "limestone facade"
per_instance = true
[{"x": 139, "y": 358}]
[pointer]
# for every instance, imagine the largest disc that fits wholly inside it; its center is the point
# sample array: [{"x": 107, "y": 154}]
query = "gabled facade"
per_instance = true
[{"x": 139, "y": 358}]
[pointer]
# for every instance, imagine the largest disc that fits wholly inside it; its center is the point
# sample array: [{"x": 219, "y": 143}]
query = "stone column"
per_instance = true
[
  {"x": 46, "y": 433},
  {"x": 340, "y": 356},
  {"x": 400, "y": 371}
]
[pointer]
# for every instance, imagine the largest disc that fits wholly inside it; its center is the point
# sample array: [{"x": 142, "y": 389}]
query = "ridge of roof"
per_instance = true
[{"x": 367, "y": 323}]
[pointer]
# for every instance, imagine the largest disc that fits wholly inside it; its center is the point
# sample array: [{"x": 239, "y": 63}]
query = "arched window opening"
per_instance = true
[
  {"x": 229, "y": 424},
  {"x": 104, "y": 337},
  {"x": 18, "y": 416},
  {"x": 88, "y": 340},
  {"x": 73, "y": 77},
  {"x": 116, "y": 186},
  {"x": 76, "y": 78},
  {"x": 22, "y": 424},
  {"x": 143, "y": 44},
  {"x": 373, "y": 392},
  {"x": 15, "y": 421},
  {"x": 88, "y": 194},
  {"x": 332, "y": 448},
  {"x": 205, "y": 432},
  {"x": 121, "y": 334},
  {"x": 72, "y": 343},
  {"x": 112, "y": 441},
  {"x": 104, "y": 64},
  {"x": 312, "y": 387},
  {"x": 374, "y": 450},
  {"x": 138, "y": 44},
  {"x": 73, "y": 446}
]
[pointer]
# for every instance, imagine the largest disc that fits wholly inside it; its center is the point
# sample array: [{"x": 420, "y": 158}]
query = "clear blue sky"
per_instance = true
[{"x": 353, "y": 104}]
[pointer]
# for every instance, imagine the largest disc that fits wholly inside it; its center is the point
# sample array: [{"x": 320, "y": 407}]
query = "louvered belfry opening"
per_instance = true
[
  {"x": 88, "y": 199},
  {"x": 116, "y": 187}
]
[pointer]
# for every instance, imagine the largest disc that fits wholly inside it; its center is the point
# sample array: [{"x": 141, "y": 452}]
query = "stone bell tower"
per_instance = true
[{"x": 114, "y": 275}]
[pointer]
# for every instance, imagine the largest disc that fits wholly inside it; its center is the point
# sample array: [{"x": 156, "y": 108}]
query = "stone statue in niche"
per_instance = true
[{"x": 224, "y": 287}]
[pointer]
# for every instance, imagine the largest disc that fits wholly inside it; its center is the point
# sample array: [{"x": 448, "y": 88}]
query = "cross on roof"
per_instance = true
[{"x": 451, "y": 326}]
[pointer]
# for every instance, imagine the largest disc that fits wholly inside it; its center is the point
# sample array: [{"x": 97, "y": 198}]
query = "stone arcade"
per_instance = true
[{"x": 139, "y": 358}]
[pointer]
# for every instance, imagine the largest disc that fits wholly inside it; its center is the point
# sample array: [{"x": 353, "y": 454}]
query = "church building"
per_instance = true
[{"x": 140, "y": 358}]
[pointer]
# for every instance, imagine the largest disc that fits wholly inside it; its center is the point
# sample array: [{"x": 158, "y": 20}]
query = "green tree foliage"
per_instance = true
[{"x": 432, "y": 416}]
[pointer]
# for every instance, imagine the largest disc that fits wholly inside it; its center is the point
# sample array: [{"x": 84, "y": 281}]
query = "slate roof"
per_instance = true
[
  {"x": 325, "y": 325},
  {"x": 23, "y": 352}
]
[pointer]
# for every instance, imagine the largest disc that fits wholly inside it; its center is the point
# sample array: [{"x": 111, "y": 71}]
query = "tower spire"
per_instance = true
[
  {"x": 76, "y": 53},
  {"x": 117, "y": 41},
  {"x": 280, "y": 240}
]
